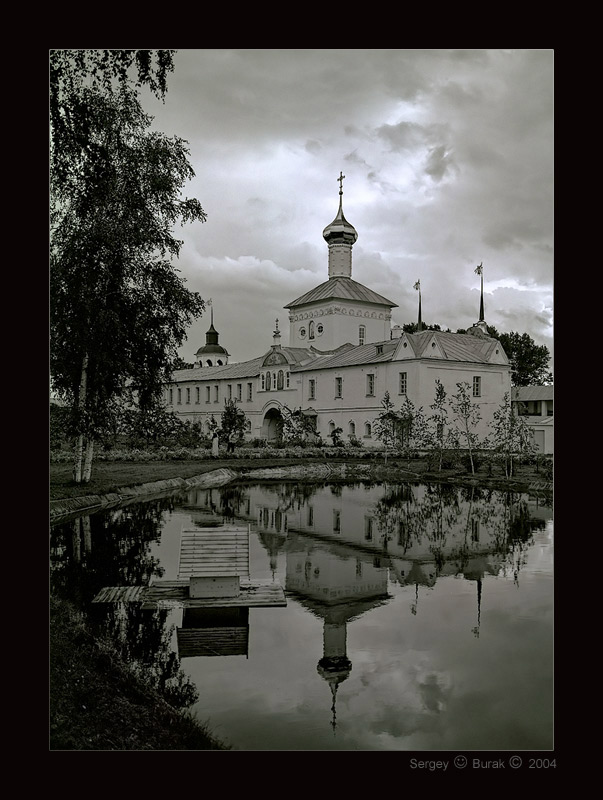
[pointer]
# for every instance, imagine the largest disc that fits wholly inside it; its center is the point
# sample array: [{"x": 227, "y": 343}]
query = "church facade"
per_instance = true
[{"x": 343, "y": 356}]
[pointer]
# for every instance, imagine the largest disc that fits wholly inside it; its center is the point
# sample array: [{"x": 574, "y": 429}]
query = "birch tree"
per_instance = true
[
  {"x": 510, "y": 436},
  {"x": 466, "y": 414},
  {"x": 118, "y": 307}
]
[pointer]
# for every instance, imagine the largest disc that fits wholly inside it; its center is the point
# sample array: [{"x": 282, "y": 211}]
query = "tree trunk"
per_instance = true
[
  {"x": 88, "y": 461},
  {"x": 81, "y": 406}
]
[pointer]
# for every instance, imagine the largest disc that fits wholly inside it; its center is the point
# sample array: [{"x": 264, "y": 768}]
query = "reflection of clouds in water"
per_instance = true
[
  {"x": 433, "y": 693},
  {"x": 406, "y": 698}
]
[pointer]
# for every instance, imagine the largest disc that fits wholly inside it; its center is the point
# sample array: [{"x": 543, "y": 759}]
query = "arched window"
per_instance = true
[
  {"x": 311, "y": 329},
  {"x": 208, "y": 363},
  {"x": 268, "y": 381},
  {"x": 352, "y": 428},
  {"x": 331, "y": 426},
  {"x": 280, "y": 382},
  {"x": 361, "y": 334},
  {"x": 367, "y": 429}
]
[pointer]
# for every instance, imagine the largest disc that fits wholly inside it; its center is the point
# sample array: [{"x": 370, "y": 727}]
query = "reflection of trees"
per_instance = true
[
  {"x": 106, "y": 549},
  {"x": 113, "y": 549},
  {"x": 145, "y": 641},
  {"x": 434, "y": 513}
]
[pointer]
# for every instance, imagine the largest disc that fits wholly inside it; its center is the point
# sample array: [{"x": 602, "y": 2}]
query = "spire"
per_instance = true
[
  {"x": 276, "y": 339},
  {"x": 480, "y": 328},
  {"x": 475, "y": 630},
  {"x": 212, "y": 354},
  {"x": 340, "y": 236},
  {"x": 480, "y": 271},
  {"x": 419, "y": 320}
]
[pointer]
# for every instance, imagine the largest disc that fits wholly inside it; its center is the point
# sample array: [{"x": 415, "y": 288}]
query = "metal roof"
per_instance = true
[
  {"x": 341, "y": 288},
  {"x": 244, "y": 369},
  {"x": 527, "y": 393},
  {"x": 455, "y": 346}
]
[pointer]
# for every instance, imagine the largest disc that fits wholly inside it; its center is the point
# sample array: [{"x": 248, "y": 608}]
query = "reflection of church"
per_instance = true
[
  {"x": 346, "y": 545},
  {"x": 343, "y": 355}
]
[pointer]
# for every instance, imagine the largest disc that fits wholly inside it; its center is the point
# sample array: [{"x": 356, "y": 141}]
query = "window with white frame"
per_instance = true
[
  {"x": 403, "y": 383},
  {"x": 352, "y": 428},
  {"x": 477, "y": 386},
  {"x": 361, "y": 334}
]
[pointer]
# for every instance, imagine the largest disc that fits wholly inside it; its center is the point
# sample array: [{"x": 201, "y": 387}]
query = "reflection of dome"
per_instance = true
[{"x": 334, "y": 669}]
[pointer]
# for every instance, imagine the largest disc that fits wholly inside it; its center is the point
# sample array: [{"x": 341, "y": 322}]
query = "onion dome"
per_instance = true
[
  {"x": 212, "y": 353},
  {"x": 340, "y": 231}
]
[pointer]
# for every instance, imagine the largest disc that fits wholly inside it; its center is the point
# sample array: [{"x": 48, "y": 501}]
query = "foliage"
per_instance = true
[
  {"x": 467, "y": 414},
  {"x": 232, "y": 422},
  {"x": 529, "y": 361},
  {"x": 414, "y": 428},
  {"x": 335, "y": 436},
  {"x": 511, "y": 436},
  {"x": 118, "y": 309},
  {"x": 439, "y": 437},
  {"x": 59, "y": 427},
  {"x": 180, "y": 363},
  {"x": 387, "y": 426},
  {"x": 413, "y": 327},
  {"x": 296, "y": 427}
]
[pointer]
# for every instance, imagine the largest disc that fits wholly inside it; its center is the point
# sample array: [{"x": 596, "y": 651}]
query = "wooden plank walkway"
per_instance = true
[
  {"x": 214, "y": 552},
  {"x": 254, "y": 594},
  {"x": 231, "y": 641},
  {"x": 116, "y": 594}
]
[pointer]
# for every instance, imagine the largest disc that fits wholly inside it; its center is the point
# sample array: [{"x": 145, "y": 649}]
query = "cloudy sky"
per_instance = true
[{"x": 448, "y": 163}]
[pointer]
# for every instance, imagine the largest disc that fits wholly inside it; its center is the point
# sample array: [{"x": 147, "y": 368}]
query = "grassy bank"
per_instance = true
[
  {"x": 108, "y": 476},
  {"x": 98, "y": 703}
]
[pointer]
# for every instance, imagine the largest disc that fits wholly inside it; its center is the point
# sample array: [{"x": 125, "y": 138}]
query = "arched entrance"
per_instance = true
[{"x": 272, "y": 424}]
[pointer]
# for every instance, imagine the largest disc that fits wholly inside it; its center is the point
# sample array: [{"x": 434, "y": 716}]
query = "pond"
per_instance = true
[{"x": 418, "y": 617}]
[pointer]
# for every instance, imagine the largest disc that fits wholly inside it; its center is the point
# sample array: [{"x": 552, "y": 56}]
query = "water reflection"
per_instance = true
[{"x": 351, "y": 557}]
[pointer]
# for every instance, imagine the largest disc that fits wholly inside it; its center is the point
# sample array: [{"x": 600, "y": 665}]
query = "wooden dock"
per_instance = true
[
  {"x": 253, "y": 594},
  {"x": 232, "y": 641}
]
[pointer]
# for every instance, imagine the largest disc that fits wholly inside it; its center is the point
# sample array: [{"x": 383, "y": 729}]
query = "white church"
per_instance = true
[{"x": 343, "y": 355}]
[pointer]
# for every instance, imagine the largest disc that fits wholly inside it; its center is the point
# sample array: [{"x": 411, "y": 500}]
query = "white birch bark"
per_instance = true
[
  {"x": 79, "y": 445},
  {"x": 88, "y": 461}
]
